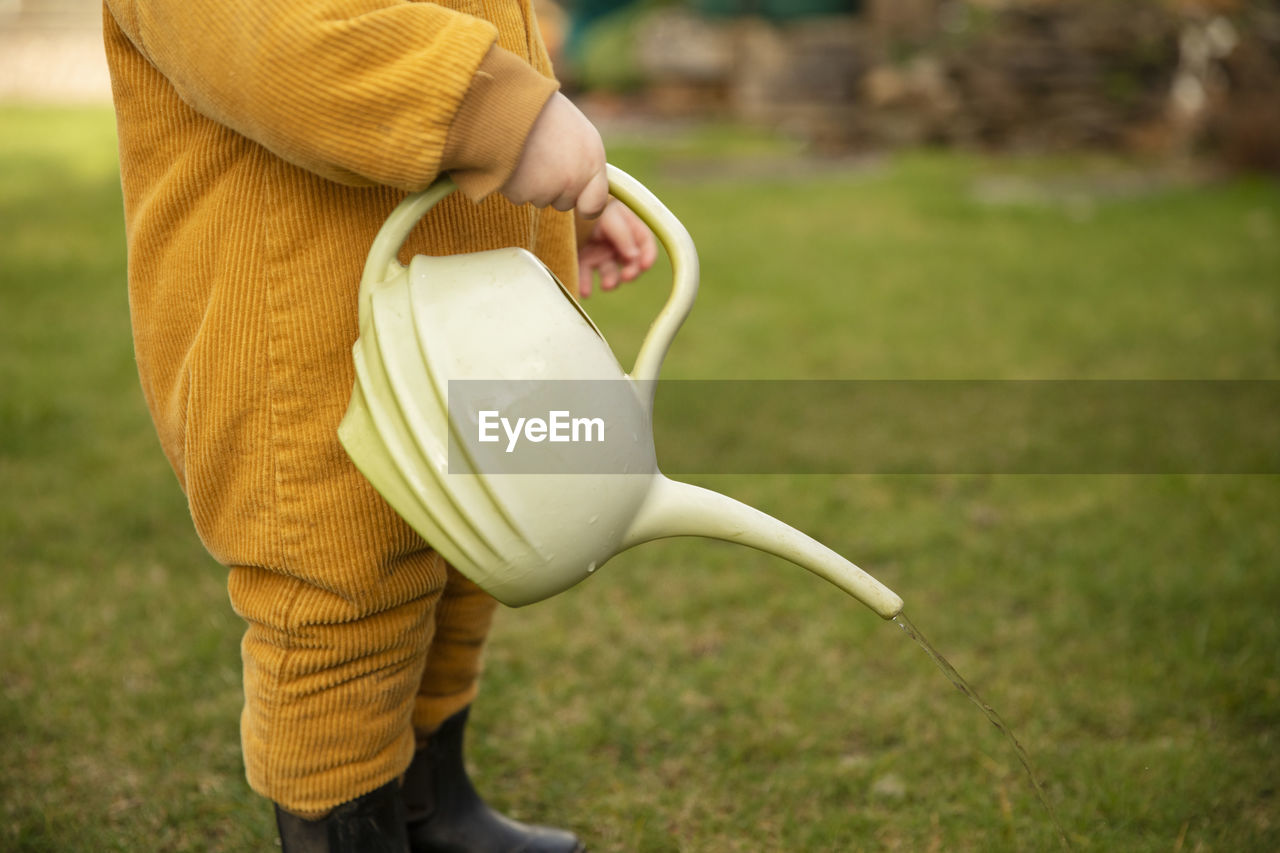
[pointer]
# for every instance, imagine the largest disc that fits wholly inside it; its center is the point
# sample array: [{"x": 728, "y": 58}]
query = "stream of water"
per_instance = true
[{"x": 996, "y": 720}]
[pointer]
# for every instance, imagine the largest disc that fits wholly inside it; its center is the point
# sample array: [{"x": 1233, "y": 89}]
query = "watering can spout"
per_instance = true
[{"x": 673, "y": 508}]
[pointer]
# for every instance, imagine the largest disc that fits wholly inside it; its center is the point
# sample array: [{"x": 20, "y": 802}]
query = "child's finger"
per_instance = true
[
  {"x": 615, "y": 228},
  {"x": 647, "y": 245},
  {"x": 608, "y": 271},
  {"x": 586, "y": 275},
  {"x": 590, "y": 258},
  {"x": 618, "y": 248}
]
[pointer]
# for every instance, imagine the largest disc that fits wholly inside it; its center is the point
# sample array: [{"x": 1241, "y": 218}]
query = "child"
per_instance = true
[{"x": 262, "y": 144}]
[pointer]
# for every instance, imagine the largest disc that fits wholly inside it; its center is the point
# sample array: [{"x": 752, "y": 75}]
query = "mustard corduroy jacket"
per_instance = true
[{"x": 262, "y": 144}]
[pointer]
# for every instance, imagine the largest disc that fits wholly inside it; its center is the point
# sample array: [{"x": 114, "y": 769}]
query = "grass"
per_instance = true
[{"x": 695, "y": 696}]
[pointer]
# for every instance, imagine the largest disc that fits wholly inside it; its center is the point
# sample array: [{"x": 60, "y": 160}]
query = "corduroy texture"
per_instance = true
[
  {"x": 262, "y": 143},
  {"x": 452, "y": 674}
]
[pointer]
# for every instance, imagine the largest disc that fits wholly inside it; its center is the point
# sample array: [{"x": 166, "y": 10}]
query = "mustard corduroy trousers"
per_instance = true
[{"x": 339, "y": 688}]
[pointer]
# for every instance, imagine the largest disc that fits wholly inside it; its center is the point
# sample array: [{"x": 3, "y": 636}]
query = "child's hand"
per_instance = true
[
  {"x": 617, "y": 245},
  {"x": 562, "y": 164}
]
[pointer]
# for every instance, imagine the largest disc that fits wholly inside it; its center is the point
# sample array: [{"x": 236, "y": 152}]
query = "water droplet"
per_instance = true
[
  {"x": 593, "y": 519},
  {"x": 591, "y": 567}
]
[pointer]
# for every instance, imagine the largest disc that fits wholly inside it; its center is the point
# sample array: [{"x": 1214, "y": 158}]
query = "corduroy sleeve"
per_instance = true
[
  {"x": 359, "y": 91},
  {"x": 501, "y": 105}
]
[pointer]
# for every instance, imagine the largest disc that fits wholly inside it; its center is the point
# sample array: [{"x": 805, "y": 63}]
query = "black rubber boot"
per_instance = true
[
  {"x": 374, "y": 823},
  {"x": 446, "y": 815}
]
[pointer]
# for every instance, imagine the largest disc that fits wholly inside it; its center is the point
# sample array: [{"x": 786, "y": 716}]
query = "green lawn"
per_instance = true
[{"x": 695, "y": 696}]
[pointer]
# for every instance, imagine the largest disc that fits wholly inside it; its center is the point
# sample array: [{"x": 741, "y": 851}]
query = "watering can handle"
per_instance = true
[
  {"x": 382, "y": 264},
  {"x": 676, "y": 240}
]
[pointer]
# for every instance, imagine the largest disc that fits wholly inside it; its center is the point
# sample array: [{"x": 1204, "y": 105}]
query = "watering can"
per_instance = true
[{"x": 502, "y": 316}]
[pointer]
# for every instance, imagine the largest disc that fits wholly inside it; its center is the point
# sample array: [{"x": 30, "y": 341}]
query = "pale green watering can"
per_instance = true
[{"x": 441, "y": 324}]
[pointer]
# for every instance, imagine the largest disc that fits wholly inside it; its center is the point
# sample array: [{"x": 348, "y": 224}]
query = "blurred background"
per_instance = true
[
  {"x": 1151, "y": 77},
  {"x": 1155, "y": 77},
  {"x": 879, "y": 190}
]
